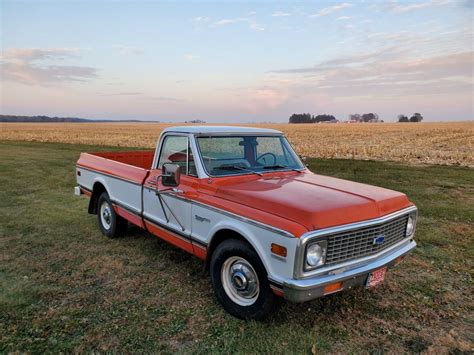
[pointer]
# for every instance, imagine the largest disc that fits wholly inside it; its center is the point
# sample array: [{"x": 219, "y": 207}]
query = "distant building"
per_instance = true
[{"x": 195, "y": 121}]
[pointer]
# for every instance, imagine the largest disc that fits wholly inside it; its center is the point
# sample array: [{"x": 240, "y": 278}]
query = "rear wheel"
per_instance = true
[
  {"x": 240, "y": 281},
  {"x": 111, "y": 225}
]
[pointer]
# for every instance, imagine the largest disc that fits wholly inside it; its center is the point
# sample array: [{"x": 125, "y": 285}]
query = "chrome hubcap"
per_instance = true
[
  {"x": 240, "y": 281},
  {"x": 105, "y": 215}
]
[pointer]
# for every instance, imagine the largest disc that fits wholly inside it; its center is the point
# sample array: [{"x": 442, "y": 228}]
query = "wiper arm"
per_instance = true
[
  {"x": 236, "y": 167},
  {"x": 280, "y": 167}
]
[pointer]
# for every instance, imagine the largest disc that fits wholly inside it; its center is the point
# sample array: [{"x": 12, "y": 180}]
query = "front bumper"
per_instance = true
[{"x": 307, "y": 289}]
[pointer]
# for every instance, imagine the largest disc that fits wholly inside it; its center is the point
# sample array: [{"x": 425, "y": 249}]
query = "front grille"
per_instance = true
[{"x": 359, "y": 243}]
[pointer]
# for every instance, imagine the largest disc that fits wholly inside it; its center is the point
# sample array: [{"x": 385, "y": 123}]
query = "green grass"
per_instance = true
[{"x": 65, "y": 287}]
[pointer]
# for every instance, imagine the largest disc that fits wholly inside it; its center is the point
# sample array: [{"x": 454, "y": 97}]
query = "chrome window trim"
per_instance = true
[
  {"x": 289, "y": 147},
  {"x": 311, "y": 236},
  {"x": 234, "y": 133},
  {"x": 162, "y": 143}
]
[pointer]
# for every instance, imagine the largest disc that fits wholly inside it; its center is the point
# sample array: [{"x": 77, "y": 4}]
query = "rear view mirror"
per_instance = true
[{"x": 171, "y": 175}]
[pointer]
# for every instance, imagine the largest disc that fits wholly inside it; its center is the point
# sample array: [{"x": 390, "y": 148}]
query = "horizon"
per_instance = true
[
  {"x": 237, "y": 62},
  {"x": 216, "y": 123}
]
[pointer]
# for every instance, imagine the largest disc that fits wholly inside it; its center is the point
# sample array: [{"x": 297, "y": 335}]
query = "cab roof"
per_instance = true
[{"x": 221, "y": 130}]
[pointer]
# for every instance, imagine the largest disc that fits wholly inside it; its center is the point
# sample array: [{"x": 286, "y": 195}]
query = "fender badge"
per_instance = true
[{"x": 201, "y": 219}]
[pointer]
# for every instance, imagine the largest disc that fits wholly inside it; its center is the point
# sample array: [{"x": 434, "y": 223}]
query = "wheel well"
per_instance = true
[
  {"x": 219, "y": 237},
  {"x": 97, "y": 190}
]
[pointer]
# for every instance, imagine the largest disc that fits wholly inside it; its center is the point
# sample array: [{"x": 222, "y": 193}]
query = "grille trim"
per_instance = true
[
  {"x": 356, "y": 244},
  {"x": 299, "y": 271}
]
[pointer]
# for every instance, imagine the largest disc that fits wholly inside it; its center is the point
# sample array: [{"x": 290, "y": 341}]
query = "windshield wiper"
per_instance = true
[
  {"x": 236, "y": 167},
  {"x": 281, "y": 167}
]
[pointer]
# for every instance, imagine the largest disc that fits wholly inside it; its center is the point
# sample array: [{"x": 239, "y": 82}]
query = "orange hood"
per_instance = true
[{"x": 314, "y": 201}]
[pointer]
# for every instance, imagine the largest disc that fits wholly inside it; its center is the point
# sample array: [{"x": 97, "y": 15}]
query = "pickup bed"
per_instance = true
[{"x": 242, "y": 200}]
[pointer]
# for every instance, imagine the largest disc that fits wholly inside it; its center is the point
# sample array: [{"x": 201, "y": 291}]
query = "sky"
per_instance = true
[{"x": 237, "y": 61}]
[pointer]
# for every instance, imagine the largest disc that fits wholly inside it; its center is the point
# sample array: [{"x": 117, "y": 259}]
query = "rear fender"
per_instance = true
[{"x": 99, "y": 187}]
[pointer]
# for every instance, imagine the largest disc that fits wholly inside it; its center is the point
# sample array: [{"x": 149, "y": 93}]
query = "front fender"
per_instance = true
[{"x": 278, "y": 268}]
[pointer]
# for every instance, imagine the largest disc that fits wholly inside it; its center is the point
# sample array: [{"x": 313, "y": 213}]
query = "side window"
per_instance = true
[{"x": 175, "y": 150}]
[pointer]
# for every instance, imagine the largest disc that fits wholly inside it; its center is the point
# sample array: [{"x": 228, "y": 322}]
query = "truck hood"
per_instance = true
[{"x": 314, "y": 201}]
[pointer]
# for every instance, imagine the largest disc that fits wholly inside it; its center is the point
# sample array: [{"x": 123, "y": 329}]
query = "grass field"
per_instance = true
[
  {"x": 439, "y": 143},
  {"x": 64, "y": 287}
]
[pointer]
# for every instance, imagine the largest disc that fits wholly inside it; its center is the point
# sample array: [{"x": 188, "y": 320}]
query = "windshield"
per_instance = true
[{"x": 235, "y": 155}]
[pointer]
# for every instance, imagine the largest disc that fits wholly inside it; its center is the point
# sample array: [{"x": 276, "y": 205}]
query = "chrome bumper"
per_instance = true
[{"x": 303, "y": 290}]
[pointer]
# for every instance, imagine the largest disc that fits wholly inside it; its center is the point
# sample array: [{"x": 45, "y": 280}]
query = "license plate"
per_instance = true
[{"x": 376, "y": 277}]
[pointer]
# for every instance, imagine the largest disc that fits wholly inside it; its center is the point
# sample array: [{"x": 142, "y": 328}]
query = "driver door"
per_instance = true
[{"x": 170, "y": 213}]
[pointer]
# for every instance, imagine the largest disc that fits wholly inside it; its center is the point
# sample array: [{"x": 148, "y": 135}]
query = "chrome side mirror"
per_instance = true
[{"x": 171, "y": 175}]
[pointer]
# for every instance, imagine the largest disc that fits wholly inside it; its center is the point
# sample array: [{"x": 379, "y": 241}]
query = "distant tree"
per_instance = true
[
  {"x": 402, "y": 118},
  {"x": 301, "y": 118},
  {"x": 324, "y": 118},
  {"x": 370, "y": 117},
  {"x": 355, "y": 117},
  {"x": 417, "y": 117},
  {"x": 195, "y": 121},
  {"x": 308, "y": 118}
]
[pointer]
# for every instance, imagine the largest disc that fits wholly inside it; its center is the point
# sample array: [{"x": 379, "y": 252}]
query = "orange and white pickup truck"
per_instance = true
[{"x": 241, "y": 200}]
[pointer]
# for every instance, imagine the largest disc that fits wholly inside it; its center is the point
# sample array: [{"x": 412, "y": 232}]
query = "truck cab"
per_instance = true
[{"x": 242, "y": 200}]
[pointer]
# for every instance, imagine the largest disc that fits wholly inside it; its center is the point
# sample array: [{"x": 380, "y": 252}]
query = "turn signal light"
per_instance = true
[
  {"x": 331, "y": 288},
  {"x": 279, "y": 250}
]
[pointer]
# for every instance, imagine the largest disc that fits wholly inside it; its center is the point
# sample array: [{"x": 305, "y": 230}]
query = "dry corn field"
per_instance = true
[{"x": 431, "y": 143}]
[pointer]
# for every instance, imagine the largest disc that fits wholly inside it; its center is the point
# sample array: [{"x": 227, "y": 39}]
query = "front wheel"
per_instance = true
[
  {"x": 240, "y": 281},
  {"x": 111, "y": 225}
]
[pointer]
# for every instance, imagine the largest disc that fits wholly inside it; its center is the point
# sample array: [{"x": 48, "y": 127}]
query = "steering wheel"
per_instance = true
[{"x": 268, "y": 153}]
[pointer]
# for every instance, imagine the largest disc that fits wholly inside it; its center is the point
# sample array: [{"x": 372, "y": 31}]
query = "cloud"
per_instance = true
[
  {"x": 344, "y": 18},
  {"x": 280, "y": 14},
  {"x": 191, "y": 57},
  {"x": 140, "y": 96},
  {"x": 127, "y": 50},
  {"x": 230, "y": 21},
  {"x": 26, "y": 66},
  {"x": 468, "y": 4},
  {"x": 330, "y": 9},
  {"x": 33, "y": 54},
  {"x": 256, "y": 26},
  {"x": 342, "y": 61},
  {"x": 253, "y": 25},
  {"x": 123, "y": 94},
  {"x": 388, "y": 74},
  {"x": 402, "y": 8},
  {"x": 162, "y": 98},
  {"x": 201, "y": 19}
]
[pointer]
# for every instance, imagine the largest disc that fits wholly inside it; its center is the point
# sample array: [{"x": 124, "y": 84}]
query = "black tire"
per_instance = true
[
  {"x": 265, "y": 302},
  {"x": 117, "y": 225}
]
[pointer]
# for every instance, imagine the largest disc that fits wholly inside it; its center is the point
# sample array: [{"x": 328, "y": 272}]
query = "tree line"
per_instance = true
[
  {"x": 308, "y": 118},
  {"x": 45, "y": 119},
  {"x": 353, "y": 117},
  {"x": 416, "y": 117}
]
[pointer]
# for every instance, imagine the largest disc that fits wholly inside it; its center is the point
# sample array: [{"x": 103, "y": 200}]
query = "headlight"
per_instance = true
[
  {"x": 316, "y": 254},
  {"x": 410, "y": 226}
]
